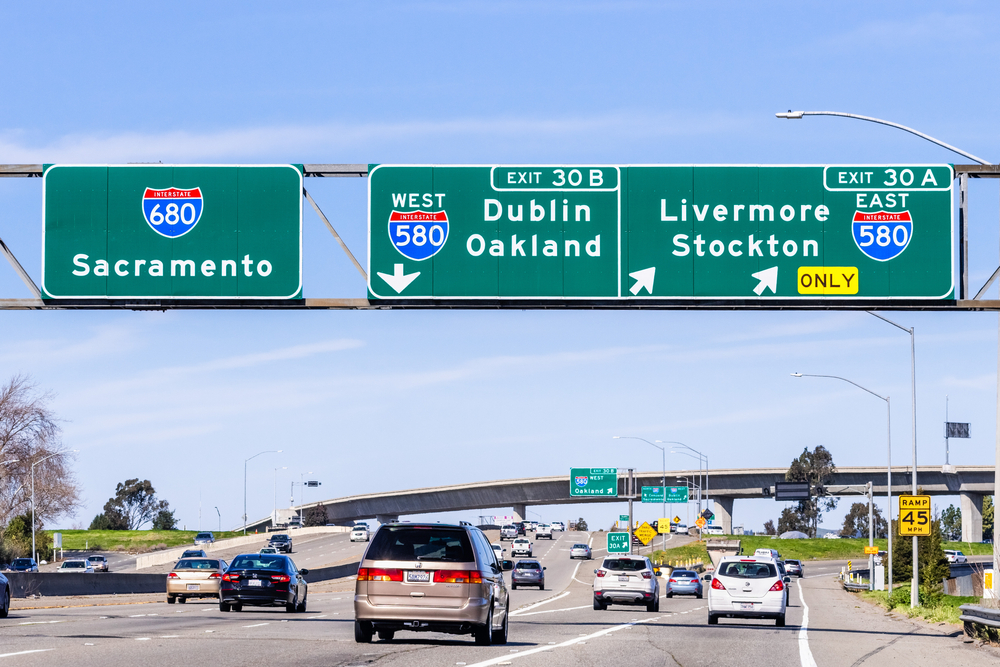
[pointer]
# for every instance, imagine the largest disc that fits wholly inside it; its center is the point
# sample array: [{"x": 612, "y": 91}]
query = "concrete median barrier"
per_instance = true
[{"x": 25, "y": 584}]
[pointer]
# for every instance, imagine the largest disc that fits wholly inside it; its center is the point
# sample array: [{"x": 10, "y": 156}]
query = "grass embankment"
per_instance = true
[
  {"x": 131, "y": 540},
  {"x": 934, "y": 608},
  {"x": 689, "y": 552}
]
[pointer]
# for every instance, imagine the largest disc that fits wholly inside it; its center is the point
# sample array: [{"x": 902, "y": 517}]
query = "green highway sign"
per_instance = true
[
  {"x": 172, "y": 232},
  {"x": 673, "y": 232},
  {"x": 653, "y": 494},
  {"x": 677, "y": 494},
  {"x": 618, "y": 543},
  {"x": 624, "y": 518},
  {"x": 584, "y": 482}
]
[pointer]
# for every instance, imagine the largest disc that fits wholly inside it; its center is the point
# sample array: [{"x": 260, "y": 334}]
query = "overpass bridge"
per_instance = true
[{"x": 970, "y": 483}]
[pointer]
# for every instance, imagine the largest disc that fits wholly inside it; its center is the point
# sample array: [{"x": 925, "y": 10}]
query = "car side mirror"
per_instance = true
[
  {"x": 545, "y": 568},
  {"x": 303, "y": 571},
  {"x": 787, "y": 580},
  {"x": 508, "y": 565}
]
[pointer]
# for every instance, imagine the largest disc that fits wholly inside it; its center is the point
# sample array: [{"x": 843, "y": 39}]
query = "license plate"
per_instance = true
[
  {"x": 622, "y": 577},
  {"x": 418, "y": 576},
  {"x": 746, "y": 605},
  {"x": 255, "y": 582},
  {"x": 194, "y": 587}
]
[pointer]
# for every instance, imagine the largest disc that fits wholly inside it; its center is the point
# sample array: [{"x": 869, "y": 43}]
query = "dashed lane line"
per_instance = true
[
  {"x": 256, "y": 625},
  {"x": 34, "y": 650},
  {"x": 518, "y": 612},
  {"x": 551, "y": 611}
]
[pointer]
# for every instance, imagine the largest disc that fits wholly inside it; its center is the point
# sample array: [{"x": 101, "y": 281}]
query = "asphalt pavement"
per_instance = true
[{"x": 550, "y": 628}]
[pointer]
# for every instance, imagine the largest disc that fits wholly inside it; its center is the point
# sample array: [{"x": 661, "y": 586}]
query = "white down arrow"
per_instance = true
[{"x": 398, "y": 281}]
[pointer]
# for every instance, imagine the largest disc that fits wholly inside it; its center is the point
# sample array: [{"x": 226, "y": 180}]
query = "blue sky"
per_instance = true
[{"x": 378, "y": 400}]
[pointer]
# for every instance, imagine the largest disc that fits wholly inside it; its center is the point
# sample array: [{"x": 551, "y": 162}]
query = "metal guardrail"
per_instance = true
[
  {"x": 973, "y": 613},
  {"x": 848, "y": 586}
]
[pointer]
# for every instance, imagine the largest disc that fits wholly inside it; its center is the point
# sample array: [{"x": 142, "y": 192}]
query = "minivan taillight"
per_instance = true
[
  {"x": 378, "y": 574},
  {"x": 778, "y": 586},
  {"x": 717, "y": 585},
  {"x": 458, "y": 577}
]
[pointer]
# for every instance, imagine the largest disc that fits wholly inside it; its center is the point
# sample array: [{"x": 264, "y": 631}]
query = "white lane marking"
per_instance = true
[
  {"x": 552, "y": 611},
  {"x": 142, "y": 639},
  {"x": 805, "y": 655},
  {"x": 136, "y": 615},
  {"x": 582, "y": 639},
  {"x": 169, "y": 636},
  {"x": 539, "y": 604},
  {"x": 256, "y": 625},
  {"x": 34, "y": 650},
  {"x": 320, "y": 616},
  {"x": 577, "y": 569},
  {"x": 39, "y": 623}
]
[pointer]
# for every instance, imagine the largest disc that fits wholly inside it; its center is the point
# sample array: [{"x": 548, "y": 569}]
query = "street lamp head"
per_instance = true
[
  {"x": 616, "y": 437},
  {"x": 796, "y": 375},
  {"x": 790, "y": 115}
]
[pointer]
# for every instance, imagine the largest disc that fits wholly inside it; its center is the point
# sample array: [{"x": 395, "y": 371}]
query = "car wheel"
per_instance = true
[
  {"x": 290, "y": 607},
  {"x": 237, "y": 607},
  {"x": 181, "y": 599},
  {"x": 224, "y": 606},
  {"x": 386, "y": 635},
  {"x": 700, "y": 596},
  {"x": 302, "y": 607},
  {"x": 780, "y": 621},
  {"x": 670, "y": 595},
  {"x": 171, "y": 599},
  {"x": 713, "y": 619},
  {"x": 600, "y": 606},
  {"x": 513, "y": 587},
  {"x": 541, "y": 586},
  {"x": 363, "y": 632},
  {"x": 5, "y": 607},
  {"x": 484, "y": 634},
  {"x": 500, "y": 636}
]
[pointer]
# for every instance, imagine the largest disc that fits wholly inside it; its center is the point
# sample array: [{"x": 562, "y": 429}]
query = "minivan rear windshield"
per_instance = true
[
  {"x": 624, "y": 564},
  {"x": 191, "y": 564},
  {"x": 748, "y": 570},
  {"x": 415, "y": 543}
]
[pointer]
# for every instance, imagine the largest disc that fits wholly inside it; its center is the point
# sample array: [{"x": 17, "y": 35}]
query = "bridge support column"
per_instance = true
[
  {"x": 520, "y": 511},
  {"x": 972, "y": 517},
  {"x": 386, "y": 518},
  {"x": 724, "y": 513}
]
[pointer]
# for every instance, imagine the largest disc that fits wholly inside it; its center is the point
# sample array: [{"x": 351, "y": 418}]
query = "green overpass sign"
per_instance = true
[
  {"x": 591, "y": 482},
  {"x": 618, "y": 543},
  {"x": 172, "y": 232},
  {"x": 629, "y": 234},
  {"x": 677, "y": 494},
  {"x": 653, "y": 494}
]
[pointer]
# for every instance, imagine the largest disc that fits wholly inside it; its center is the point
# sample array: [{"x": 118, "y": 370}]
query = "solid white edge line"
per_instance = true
[
  {"x": 35, "y": 650},
  {"x": 805, "y": 654},
  {"x": 517, "y": 612},
  {"x": 575, "y": 640}
]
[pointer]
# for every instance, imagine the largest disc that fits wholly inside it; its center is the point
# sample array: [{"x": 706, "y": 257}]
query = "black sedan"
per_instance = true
[
  {"x": 263, "y": 580},
  {"x": 4, "y": 596},
  {"x": 282, "y": 543}
]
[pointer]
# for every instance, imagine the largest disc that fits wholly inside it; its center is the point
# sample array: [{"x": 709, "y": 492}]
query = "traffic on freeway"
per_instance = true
[{"x": 554, "y": 621}]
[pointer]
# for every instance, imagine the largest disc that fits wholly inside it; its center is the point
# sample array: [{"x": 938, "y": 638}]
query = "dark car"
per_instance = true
[
  {"x": 263, "y": 580},
  {"x": 281, "y": 542},
  {"x": 528, "y": 573},
  {"x": 194, "y": 553},
  {"x": 23, "y": 565},
  {"x": 520, "y": 528},
  {"x": 4, "y": 596}
]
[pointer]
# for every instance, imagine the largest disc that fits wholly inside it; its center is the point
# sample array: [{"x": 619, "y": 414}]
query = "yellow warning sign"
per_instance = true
[
  {"x": 700, "y": 522},
  {"x": 645, "y": 533},
  {"x": 828, "y": 280}
]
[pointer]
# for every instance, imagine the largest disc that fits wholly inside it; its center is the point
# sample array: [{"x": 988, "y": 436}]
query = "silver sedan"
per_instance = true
[{"x": 580, "y": 551}]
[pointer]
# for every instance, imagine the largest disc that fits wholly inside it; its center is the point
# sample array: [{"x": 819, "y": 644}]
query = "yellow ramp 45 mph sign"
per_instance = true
[{"x": 915, "y": 515}]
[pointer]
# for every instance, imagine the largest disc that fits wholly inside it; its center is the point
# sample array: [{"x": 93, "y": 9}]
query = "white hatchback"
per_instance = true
[{"x": 747, "y": 588}]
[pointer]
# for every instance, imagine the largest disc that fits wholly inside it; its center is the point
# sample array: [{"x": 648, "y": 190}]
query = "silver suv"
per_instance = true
[{"x": 433, "y": 578}]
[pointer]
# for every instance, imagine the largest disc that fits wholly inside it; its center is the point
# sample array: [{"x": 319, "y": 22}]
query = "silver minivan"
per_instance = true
[{"x": 431, "y": 578}]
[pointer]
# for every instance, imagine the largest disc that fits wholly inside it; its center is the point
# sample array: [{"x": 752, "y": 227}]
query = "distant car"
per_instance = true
[
  {"x": 767, "y": 553},
  {"x": 4, "y": 596},
  {"x": 580, "y": 551},
  {"x": 194, "y": 578},
  {"x": 76, "y": 565},
  {"x": 281, "y": 542},
  {"x": 543, "y": 530},
  {"x": 745, "y": 587},
  {"x": 626, "y": 579},
  {"x": 359, "y": 534},
  {"x": 558, "y": 525},
  {"x": 99, "y": 563},
  {"x": 528, "y": 573},
  {"x": 955, "y": 556},
  {"x": 508, "y": 532},
  {"x": 498, "y": 550},
  {"x": 795, "y": 567},
  {"x": 194, "y": 553},
  {"x": 712, "y": 530},
  {"x": 23, "y": 565},
  {"x": 261, "y": 580},
  {"x": 679, "y": 528},
  {"x": 831, "y": 536},
  {"x": 204, "y": 538},
  {"x": 520, "y": 547},
  {"x": 268, "y": 550},
  {"x": 684, "y": 582}
]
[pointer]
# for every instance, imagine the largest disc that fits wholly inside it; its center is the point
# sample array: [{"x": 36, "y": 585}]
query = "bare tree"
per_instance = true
[{"x": 29, "y": 432}]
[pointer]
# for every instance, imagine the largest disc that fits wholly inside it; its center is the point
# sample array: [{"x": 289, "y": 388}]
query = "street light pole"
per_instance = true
[
  {"x": 245, "y": 462},
  {"x": 34, "y": 552},
  {"x": 663, "y": 483},
  {"x": 888, "y": 458},
  {"x": 914, "y": 599},
  {"x": 220, "y": 518},
  {"x": 274, "y": 511}
]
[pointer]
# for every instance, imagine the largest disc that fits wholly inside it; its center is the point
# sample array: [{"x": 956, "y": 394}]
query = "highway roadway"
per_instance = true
[{"x": 549, "y": 628}]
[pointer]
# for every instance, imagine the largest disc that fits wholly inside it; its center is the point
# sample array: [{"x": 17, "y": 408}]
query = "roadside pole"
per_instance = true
[
  {"x": 871, "y": 538},
  {"x": 630, "y": 491}
]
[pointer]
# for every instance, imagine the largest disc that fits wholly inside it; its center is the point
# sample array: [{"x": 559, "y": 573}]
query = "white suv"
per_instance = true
[
  {"x": 543, "y": 530},
  {"x": 558, "y": 525},
  {"x": 520, "y": 547},
  {"x": 359, "y": 534},
  {"x": 747, "y": 588},
  {"x": 626, "y": 579},
  {"x": 955, "y": 556}
]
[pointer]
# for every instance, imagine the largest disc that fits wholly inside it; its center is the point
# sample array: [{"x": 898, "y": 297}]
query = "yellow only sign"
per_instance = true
[
  {"x": 915, "y": 515},
  {"x": 872, "y": 551},
  {"x": 645, "y": 533}
]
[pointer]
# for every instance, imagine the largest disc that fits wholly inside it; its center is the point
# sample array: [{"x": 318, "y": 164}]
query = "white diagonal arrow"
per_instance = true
[
  {"x": 768, "y": 280},
  {"x": 398, "y": 280},
  {"x": 643, "y": 278}
]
